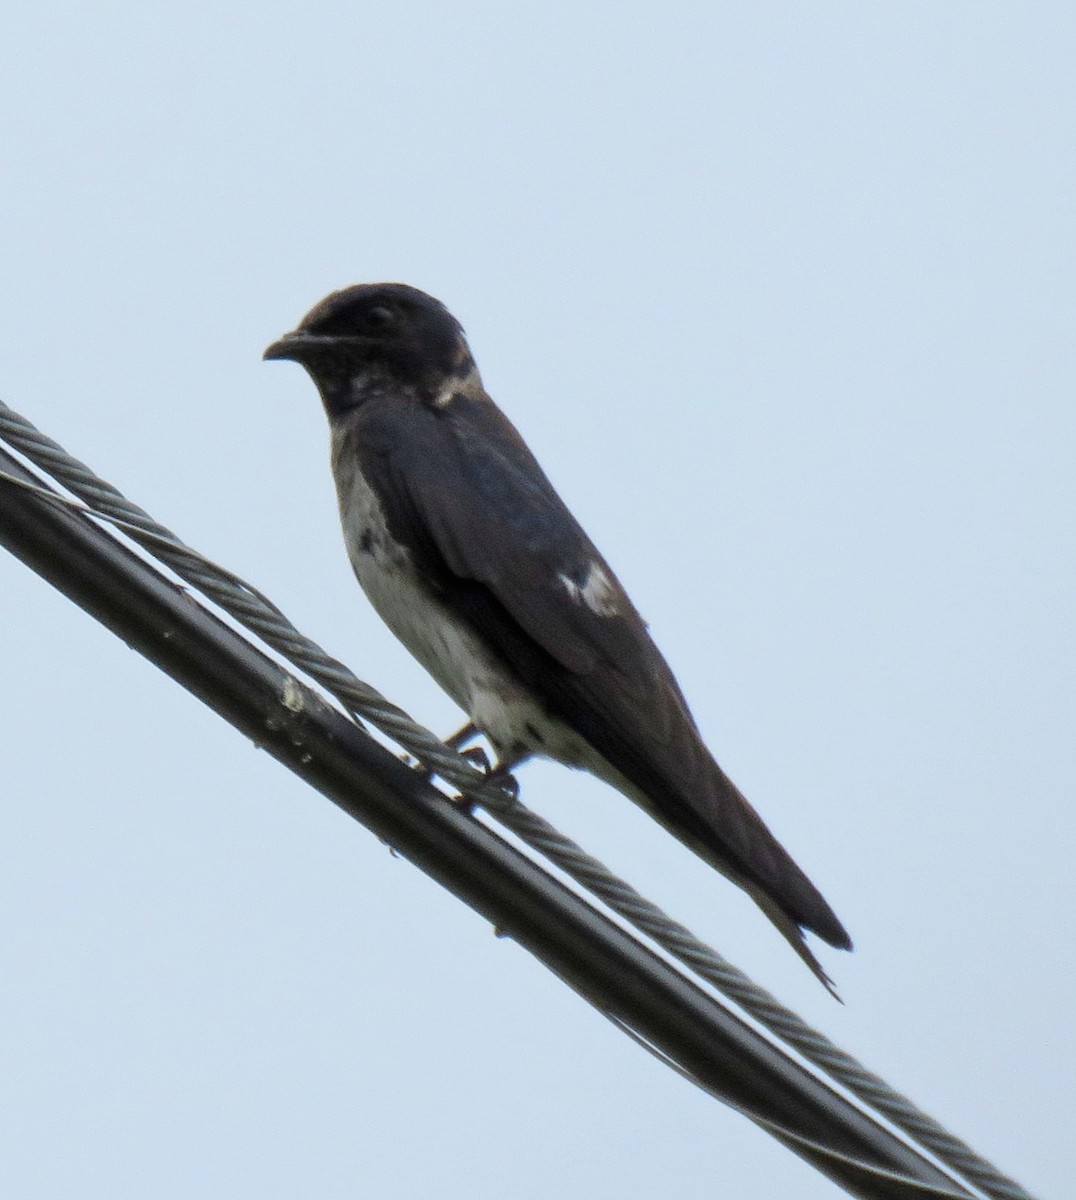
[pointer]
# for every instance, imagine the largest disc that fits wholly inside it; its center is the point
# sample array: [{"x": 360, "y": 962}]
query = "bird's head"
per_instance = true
[{"x": 377, "y": 334}]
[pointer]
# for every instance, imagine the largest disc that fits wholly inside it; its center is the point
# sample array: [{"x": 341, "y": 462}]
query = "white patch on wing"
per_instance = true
[{"x": 597, "y": 591}]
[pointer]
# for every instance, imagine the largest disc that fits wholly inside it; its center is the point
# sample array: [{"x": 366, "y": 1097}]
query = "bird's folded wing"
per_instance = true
[{"x": 513, "y": 562}]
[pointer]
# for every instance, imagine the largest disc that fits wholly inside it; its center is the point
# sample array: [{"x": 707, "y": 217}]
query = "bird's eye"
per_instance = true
[{"x": 380, "y": 317}]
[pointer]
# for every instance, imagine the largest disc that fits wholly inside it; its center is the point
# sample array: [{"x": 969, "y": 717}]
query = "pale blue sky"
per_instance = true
[{"x": 783, "y": 297}]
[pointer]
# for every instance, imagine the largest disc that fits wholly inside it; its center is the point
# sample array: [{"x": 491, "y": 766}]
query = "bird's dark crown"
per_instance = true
[{"x": 377, "y": 330}]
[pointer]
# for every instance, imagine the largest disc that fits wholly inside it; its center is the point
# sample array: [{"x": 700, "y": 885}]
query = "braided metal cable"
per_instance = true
[{"x": 246, "y": 605}]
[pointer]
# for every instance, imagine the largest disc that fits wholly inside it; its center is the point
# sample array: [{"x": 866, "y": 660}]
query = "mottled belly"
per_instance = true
[{"x": 449, "y": 649}]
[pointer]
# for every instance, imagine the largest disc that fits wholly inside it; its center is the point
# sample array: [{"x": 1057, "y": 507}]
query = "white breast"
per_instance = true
[
  {"x": 448, "y": 649},
  {"x": 387, "y": 576}
]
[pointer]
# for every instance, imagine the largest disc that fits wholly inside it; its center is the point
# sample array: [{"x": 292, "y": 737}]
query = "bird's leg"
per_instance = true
[
  {"x": 456, "y": 740},
  {"x": 462, "y": 736}
]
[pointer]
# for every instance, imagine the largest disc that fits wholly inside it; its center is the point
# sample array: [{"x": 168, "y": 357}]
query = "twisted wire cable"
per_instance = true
[{"x": 251, "y": 609}]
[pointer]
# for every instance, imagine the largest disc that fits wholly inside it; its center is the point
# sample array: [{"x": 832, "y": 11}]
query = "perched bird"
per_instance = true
[{"x": 475, "y": 563}]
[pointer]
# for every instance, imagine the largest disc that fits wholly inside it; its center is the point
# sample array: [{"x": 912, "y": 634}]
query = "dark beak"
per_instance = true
[{"x": 298, "y": 346}]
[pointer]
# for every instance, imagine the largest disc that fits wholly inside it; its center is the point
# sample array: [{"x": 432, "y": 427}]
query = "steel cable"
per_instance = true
[{"x": 254, "y": 611}]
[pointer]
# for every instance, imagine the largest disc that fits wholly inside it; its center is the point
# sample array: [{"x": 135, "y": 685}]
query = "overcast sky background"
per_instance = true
[{"x": 782, "y": 297}]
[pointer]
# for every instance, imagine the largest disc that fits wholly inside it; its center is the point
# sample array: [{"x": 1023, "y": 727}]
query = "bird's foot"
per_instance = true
[
  {"x": 460, "y": 738},
  {"x": 500, "y": 776},
  {"x": 478, "y": 757}
]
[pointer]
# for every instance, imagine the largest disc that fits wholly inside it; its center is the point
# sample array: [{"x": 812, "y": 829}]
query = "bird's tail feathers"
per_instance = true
[
  {"x": 678, "y": 782},
  {"x": 733, "y": 831},
  {"x": 724, "y": 829},
  {"x": 793, "y": 934}
]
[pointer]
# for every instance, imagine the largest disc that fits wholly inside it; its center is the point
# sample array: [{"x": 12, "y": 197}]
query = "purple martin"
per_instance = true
[{"x": 475, "y": 563}]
